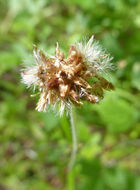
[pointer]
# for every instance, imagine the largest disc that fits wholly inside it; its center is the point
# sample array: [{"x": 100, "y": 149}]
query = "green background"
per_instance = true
[{"x": 35, "y": 147}]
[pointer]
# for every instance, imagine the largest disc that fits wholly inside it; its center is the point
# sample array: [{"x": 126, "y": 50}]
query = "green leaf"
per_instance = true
[{"x": 117, "y": 114}]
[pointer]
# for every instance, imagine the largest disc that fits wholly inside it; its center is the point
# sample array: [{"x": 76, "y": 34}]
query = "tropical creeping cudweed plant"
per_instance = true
[{"x": 63, "y": 81}]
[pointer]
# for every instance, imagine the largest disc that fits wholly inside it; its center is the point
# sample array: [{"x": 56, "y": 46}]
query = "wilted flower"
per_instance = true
[{"x": 63, "y": 81}]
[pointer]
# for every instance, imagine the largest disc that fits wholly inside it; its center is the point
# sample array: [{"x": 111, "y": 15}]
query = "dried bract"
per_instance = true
[{"x": 63, "y": 81}]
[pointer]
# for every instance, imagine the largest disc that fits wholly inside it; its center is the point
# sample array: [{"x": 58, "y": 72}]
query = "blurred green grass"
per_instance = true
[{"x": 35, "y": 147}]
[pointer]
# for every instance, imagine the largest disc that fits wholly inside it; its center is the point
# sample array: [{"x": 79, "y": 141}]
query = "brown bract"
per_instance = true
[{"x": 65, "y": 80}]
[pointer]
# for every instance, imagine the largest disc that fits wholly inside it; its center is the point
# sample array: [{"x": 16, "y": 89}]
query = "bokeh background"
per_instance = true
[{"x": 35, "y": 147}]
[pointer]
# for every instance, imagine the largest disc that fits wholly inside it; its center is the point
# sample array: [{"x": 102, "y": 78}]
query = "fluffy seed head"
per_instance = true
[{"x": 65, "y": 80}]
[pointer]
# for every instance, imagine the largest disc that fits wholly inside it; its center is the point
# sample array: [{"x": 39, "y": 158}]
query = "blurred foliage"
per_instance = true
[{"x": 35, "y": 147}]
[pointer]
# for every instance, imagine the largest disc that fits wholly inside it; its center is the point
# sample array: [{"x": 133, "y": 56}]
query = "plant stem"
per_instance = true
[{"x": 74, "y": 140}]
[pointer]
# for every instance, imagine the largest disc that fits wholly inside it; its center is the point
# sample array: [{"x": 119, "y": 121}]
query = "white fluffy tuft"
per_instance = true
[
  {"x": 29, "y": 76},
  {"x": 93, "y": 55}
]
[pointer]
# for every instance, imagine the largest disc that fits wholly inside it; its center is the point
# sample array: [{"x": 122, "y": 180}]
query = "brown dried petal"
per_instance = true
[
  {"x": 81, "y": 82},
  {"x": 105, "y": 84},
  {"x": 63, "y": 89}
]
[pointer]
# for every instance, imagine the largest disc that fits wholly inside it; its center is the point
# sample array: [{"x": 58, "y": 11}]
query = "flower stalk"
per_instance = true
[{"x": 74, "y": 140}]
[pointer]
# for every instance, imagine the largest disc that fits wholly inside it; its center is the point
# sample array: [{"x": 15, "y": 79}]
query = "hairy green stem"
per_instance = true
[{"x": 74, "y": 140}]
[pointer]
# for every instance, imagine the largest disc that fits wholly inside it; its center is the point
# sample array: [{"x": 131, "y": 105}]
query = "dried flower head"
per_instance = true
[{"x": 63, "y": 81}]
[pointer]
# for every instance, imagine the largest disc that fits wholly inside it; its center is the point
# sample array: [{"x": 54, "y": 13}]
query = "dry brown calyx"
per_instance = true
[{"x": 64, "y": 81}]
